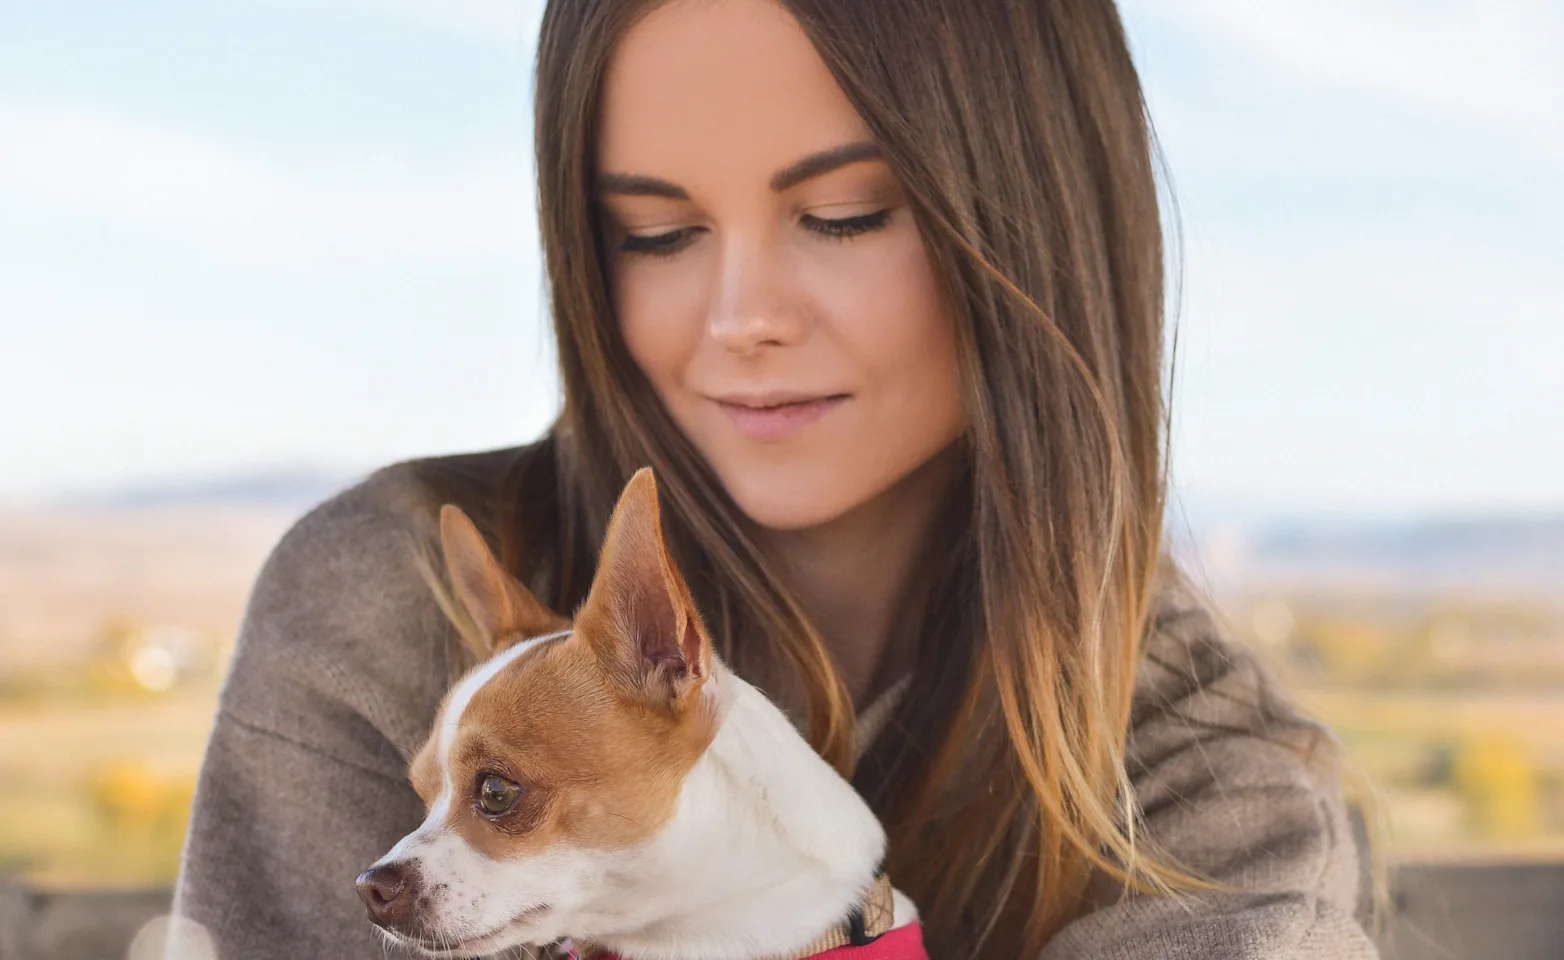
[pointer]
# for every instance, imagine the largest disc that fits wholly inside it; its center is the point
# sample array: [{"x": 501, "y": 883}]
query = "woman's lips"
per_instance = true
[{"x": 775, "y": 421}]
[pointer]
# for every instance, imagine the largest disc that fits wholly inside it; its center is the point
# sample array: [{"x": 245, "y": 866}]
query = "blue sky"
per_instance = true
[{"x": 265, "y": 233}]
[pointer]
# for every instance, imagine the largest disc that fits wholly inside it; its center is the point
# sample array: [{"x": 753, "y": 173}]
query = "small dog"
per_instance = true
[{"x": 611, "y": 786}]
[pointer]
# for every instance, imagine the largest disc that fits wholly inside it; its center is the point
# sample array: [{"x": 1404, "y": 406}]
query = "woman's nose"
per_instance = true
[{"x": 754, "y": 306}]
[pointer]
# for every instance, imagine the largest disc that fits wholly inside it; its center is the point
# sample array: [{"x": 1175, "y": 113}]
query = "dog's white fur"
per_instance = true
[{"x": 766, "y": 850}]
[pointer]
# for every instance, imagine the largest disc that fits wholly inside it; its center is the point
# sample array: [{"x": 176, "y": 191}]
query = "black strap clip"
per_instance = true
[{"x": 857, "y": 933}]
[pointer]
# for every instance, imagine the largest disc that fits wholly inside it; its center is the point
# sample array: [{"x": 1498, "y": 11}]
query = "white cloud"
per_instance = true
[
  {"x": 361, "y": 203},
  {"x": 1495, "y": 64}
]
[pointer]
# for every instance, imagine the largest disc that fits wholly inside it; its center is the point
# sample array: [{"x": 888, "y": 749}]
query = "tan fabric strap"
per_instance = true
[{"x": 871, "y": 917}]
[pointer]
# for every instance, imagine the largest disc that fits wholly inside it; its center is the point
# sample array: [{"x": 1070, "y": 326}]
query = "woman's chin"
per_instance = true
[
  {"x": 816, "y": 492},
  {"x": 789, "y": 515},
  {"x": 786, "y": 504}
]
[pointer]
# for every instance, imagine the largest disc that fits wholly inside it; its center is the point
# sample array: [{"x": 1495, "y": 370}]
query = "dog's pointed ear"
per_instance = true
[
  {"x": 639, "y": 617},
  {"x": 501, "y": 608}
]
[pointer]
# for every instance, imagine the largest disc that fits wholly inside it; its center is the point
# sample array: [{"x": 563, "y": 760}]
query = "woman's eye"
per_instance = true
[
  {"x": 660, "y": 244},
  {"x": 847, "y": 226},
  {"x": 497, "y": 796},
  {"x": 670, "y": 243}
]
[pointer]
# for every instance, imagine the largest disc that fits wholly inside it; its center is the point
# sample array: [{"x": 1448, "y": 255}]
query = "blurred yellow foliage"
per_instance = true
[
  {"x": 1352, "y": 652},
  {"x": 133, "y": 795},
  {"x": 1498, "y": 780}
]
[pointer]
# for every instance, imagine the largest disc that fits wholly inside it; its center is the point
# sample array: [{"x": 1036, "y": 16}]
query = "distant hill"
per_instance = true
[
  {"x": 283, "y": 489},
  {"x": 1231, "y": 545},
  {"x": 1516, "y": 553}
]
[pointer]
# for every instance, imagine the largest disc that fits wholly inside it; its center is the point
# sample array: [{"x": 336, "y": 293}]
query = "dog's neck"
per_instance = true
[{"x": 769, "y": 846}]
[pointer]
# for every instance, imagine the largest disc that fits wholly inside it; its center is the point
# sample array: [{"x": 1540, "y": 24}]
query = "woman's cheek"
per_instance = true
[
  {"x": 658, "y": 306},
  {"x": 883, "y": 314},
  {"x": 897, "y": 326},
  {"x": 914, "y": 351}
]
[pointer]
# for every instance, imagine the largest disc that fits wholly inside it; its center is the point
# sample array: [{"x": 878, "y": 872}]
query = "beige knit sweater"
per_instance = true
[{"x": 339, "y": 671}]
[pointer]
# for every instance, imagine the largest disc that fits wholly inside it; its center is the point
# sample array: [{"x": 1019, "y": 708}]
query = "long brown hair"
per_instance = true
[{"x": 1018, "y": 131}]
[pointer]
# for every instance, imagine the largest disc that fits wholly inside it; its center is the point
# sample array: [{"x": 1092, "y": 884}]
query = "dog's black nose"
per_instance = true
[{"x": 390, "y": 892}]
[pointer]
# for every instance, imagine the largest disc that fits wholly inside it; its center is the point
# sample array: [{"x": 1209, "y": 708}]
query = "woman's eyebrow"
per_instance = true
[
  {"x": 634, "y": 185},
  {"x": 823, "y": 162},
  {"x": 814, "y": 165}
]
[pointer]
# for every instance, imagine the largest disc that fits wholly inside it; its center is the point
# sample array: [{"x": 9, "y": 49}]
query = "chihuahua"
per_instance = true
[{"x": 609, "y": 786}]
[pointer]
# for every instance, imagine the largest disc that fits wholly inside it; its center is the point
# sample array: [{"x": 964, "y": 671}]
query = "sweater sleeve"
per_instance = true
[
  {"x": 341, "y": 660},
  {"x": 1233, "y": 784}
]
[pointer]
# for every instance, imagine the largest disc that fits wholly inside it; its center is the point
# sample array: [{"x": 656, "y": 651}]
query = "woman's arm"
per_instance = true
[
  {"x": 340, "y": 664},
  {"x": 1215, "y": 761}
]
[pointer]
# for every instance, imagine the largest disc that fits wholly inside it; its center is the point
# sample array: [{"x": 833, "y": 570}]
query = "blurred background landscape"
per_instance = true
[
  {"x": 249, "y": 251},
  {"x": 1435, "y": 649}
]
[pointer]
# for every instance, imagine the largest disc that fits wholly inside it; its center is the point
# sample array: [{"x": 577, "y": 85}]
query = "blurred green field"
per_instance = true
[
  {"x": 99, "y": 794},
  {"x": 114, "y": 630},
  {"x": 1456, "y": 776},
  {"x": 1451, "y": 709}
]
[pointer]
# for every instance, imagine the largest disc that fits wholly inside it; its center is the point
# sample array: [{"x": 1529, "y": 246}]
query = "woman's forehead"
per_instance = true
[{"x": 719, "y": 86}]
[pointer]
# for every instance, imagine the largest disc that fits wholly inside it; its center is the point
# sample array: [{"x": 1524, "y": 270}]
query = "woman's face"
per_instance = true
[{"x": 767, "y": 274}]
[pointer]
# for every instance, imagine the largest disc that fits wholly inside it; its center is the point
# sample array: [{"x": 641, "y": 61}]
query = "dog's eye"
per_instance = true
[{"x": 497, "y": 796}]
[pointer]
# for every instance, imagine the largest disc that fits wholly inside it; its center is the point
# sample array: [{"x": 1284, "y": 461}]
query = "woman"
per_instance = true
[{"x": 877, "y": 290}]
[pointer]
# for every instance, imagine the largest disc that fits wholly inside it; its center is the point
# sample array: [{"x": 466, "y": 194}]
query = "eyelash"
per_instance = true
[
  {"x": 848, "y": 226},
  {"x": 670, "y": 243}
]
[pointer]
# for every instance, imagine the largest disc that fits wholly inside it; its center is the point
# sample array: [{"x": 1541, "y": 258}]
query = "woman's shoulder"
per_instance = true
[
  {"x": 1195, "y": 675},
  {"x": 411, "y": 491},
  {"x": 341, "y": 619},
  {"x": 359, "y": 546},
  {"x": 1232, "y": 778}
]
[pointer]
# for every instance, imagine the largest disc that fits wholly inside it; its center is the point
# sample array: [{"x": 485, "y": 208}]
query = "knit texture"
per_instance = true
[{"x": 342, "y": 660}]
